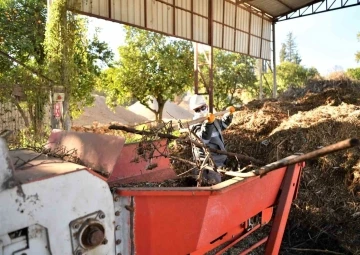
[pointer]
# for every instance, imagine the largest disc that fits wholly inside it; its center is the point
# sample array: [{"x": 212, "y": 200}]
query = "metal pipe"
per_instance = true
[{"x": 254, "y": 246}]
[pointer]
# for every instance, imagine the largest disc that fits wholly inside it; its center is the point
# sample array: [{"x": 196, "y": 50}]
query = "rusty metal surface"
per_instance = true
[
  {"x": 102, "y": 153},
  {"x": 39, "y": 168},
  {"x": 200, "y": 215},
  {"x": 96, "y": 151},
  {"x": 138, "y": 165},
  {"x": 156, "y": 176}
]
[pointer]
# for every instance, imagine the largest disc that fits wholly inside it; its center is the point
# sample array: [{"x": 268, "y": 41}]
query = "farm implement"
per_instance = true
[{"x": 91, "y": 204}]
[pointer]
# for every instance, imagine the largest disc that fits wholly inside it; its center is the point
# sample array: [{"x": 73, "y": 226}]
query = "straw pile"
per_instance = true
[
  {"x": 303, "y": 120},
  {"x": 326, "y": 215}
]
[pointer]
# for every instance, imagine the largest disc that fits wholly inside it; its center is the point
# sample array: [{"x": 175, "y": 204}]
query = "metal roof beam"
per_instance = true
[
  {"x": 316, "y": 8},
  {"x": 286, "y": 5},
  {"x": 243, "y": 1}
]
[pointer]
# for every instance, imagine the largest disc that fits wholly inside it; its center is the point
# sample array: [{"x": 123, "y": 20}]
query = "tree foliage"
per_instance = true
[
  {"x": 357, "y": 54},
  {"x": 293, "y": 75},
  {"x": 289, "y": 72},
  {"x": 72, "y": 59},
  {"x": 22, "y": 31},
  {"x": 150, "y": 66},
  {"x": 289, "y": 75},
  {"x": 353, "y": 73},
  {"x": 22, "y": 37},
  {"x": 289, "y": 51},
  {"x": 283, "y": 53},
  {"x": 232, "y": 73}
]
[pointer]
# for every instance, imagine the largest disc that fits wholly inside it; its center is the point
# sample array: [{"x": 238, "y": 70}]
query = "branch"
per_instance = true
[
  {"x": 181, "y": 159},
  {"x": 317, "y": 250},
  {"x": 25, "y": 66},
  {"x": 161, "y": 135},
  {"x": 141, "y": 132},
  {"x": 191, "y": 169},
  {"x": 239, "y": 156}
]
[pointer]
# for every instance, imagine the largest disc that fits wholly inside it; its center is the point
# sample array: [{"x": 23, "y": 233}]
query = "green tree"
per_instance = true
[
  {"x": 22, "y": 31},
  {"x": 357, "y": 54},
  {"x": 72, "y": 59},
  {"x": 23, "y": 59},
  {"x": 232, "y": 74},
  {"x": 289, "y": 51},
  {"x": 283, "y": 54},
  {"x": 353, "y": 73},
  {"x": 289, "y": 72},
  {"x": 150, "y": 65},
  {"x": 289, "y": 75}
]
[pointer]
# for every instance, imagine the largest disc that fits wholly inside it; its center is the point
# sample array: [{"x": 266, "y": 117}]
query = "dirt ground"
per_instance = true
[
  {"x": 325, "y": 218},
  {"x": 101, "y": 114}
]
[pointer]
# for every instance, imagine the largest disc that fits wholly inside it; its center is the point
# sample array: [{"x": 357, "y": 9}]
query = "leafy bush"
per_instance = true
[{"x": 354, "y": 73}]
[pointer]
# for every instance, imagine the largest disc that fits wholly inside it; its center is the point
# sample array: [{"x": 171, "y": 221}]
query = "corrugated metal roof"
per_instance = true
[
  {"x": 242, "y": 26},
  {"x": 220, "y": 23},
  {"x": 277, "y": 8}
]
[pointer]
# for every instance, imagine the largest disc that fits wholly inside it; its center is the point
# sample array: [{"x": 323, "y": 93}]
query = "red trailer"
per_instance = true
[{"x": 50, "y": 206}]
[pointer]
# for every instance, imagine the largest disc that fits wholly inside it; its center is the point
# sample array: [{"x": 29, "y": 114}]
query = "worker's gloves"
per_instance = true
[
  {"x": 231, "y": 109},
  {"x": 210, "y": 118}
]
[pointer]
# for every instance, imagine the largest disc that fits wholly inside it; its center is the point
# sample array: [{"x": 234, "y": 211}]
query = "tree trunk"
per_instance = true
[
  {"x": 21, "y": 111},
  {"x": 160, "y": 111},
  {"x": 64, "y": 76},
  {"x": 32, "y": 117},
  {"x": 66, "y": 115},
  {"x": 39, "y": 116},
  {"x": 55, "y": 123}
]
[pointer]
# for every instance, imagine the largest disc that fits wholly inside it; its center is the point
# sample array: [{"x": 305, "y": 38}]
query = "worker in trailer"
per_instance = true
[{"x": 210, "y": 132}]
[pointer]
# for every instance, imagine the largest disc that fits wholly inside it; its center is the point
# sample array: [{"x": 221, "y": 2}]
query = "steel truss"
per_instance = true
[{"x": 319, "y": 7}]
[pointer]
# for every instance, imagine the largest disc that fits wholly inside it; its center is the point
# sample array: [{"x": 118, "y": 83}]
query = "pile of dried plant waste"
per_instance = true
[
  {"x": 325, "y": 218},
  {"x": 326, "y": 214}
]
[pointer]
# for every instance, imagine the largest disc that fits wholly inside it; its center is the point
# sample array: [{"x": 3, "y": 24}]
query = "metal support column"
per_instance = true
[
  {"x": 211, "y": 58},
  {"x": 274, "y": 62},
  {"x": 211, "y": 82},
  {"x": 196, "y": 68},
  {"x": 260, "y": 70}
]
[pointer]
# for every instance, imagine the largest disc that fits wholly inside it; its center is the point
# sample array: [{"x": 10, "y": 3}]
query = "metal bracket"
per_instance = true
[
  {"x": 123, "y": 224},
  {"x": 79, "y": 230}
]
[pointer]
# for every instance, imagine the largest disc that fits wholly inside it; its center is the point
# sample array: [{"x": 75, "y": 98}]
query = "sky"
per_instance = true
[{"x": 326, "y": 41}]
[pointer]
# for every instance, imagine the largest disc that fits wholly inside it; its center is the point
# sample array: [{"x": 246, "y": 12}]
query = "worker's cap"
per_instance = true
[{"x": 196, "y": 101}]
